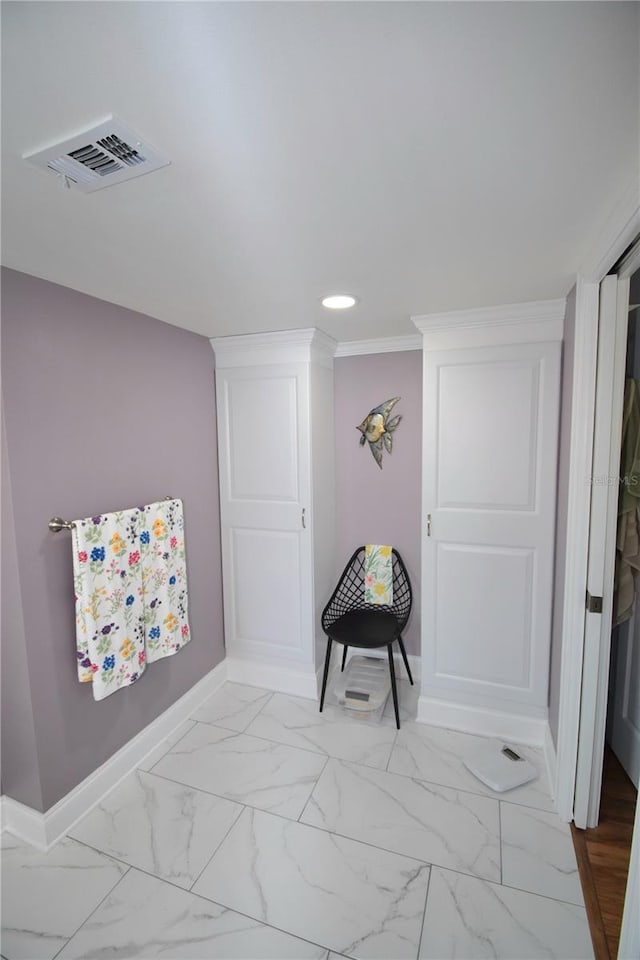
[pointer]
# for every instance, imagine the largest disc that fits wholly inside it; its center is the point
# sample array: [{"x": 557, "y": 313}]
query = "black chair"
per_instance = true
[{"x": 348, "y": 620}]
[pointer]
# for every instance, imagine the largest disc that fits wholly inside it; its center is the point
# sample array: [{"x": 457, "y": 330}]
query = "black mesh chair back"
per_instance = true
[
  {"x": 351, "y": 621},
  {"x": 349, "y": 593}
]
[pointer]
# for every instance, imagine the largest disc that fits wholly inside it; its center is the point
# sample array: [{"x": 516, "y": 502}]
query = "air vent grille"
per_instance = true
[
  {"x": 95, "y": 159},
  {"x": 104, "y": 155},
  {"x": 121, "y": 150}
]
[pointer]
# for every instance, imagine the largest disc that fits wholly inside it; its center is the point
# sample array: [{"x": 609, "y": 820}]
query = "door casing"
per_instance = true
[{"x": 620, "y": 232}]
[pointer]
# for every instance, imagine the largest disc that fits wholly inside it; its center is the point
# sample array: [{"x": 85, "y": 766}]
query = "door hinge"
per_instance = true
[{"x": 594, "y": 604}]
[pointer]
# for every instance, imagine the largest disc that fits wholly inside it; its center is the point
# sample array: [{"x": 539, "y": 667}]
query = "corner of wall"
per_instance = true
[{"x": 20, "y": 768}]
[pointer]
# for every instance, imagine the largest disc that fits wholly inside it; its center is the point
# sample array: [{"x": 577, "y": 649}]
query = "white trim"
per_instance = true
[
  {"x": 578, "y": 506},
  {"x": 539, "y": 321},
  {"x": 551, "y": 761},
  {"x": 600, "y": 576},
  {"x": 42, "y": 830},
  {"x": 621, "y": 229},
  {"x": 24, "y": 822},
  {"x": 631, "y": 263},
  {"x": 482, "y": 721},
  {"x": 282, "y": 678},
  {"x": 527, "y": 312},
  {"x": 281, "y": 346},
  {"x": 354, "y": 348}
]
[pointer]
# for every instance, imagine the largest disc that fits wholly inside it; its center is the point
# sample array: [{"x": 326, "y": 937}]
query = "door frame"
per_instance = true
[
  {"x": 620, "y": 232},
  {"x": 603, "y": 522}
]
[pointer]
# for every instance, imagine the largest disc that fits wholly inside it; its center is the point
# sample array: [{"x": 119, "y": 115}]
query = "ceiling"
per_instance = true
[{"x": 423, "y": 156}]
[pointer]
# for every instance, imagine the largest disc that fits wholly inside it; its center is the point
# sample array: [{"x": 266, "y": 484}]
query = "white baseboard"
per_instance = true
[
  {"x": 24, "y": 822},
  {"x": 482, "y": 721},
  {"x": 42, "y": 830},
  {"x": 551, "y": 761},
  {"x": 280, "y": 678}
]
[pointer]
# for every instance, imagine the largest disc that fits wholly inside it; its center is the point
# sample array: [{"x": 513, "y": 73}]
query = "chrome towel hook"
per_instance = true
[{"x": 56, "y": 524}]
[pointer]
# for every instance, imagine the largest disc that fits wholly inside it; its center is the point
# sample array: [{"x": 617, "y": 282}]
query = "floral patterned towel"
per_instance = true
[
  {"x": 109, "y": 601},
  {"x": 164, "y": 579},
  {"x": 378, "y": 574}
]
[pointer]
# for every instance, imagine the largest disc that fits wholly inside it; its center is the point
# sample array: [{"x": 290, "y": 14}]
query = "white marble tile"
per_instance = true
[
  {"x": 298, "y": 723},
  {"x": 145, "y": 917},
  {"x": 242, "y": 768},
  {"x": 436, "y": 824},
  {"x": 436, "y": 754},
  {"x": 348, "y": 896},
  {"x": 233, "y": 706},
  {"x": 166, "y": 745},
  {"x": 467, "y": 917},
  {"x": 538, "y": 853},
  {"x": 162, "y": 827},
  {"x": 46, "y": 896}
]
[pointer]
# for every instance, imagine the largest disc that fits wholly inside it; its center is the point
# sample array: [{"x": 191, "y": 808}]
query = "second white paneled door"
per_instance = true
[
  {"x": 275, "y": 405},
  {"x": 265, "y": 489},
  {"x": 489, "y": 485}
]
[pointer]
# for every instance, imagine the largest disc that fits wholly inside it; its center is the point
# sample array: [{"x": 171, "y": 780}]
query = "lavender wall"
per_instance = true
[
  {"x": 20, "y": 765},
  {"x": 562, "y": 503},
  {"x": 104, "y": 408},
  {"x": 373, "y": 505}
]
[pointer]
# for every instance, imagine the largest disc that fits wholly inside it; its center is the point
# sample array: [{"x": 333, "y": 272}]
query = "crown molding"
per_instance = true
[
  {"x": 529, "y": 312},
  {"x": 539, "y": 320},
  {"x": 620, "y": 230},
  {"x": 281, "y": 346},
  {"x": 354, "y": 348},
  {"x": 532, "y": 322}
]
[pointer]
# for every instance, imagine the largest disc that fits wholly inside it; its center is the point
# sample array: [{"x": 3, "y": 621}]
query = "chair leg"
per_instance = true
[
  {"x": 404, "y": 657},
  {"x": 392, "y": 672},
  {"x": 327, "y": 660},
  {"x": 344, "y": 657}
]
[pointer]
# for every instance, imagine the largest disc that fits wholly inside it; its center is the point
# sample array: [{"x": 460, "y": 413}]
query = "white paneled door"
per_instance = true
[
  {"x": 275, "y": 450},
  {"x": 264, "y": 486},
  {"x": 489, "y": 474}
]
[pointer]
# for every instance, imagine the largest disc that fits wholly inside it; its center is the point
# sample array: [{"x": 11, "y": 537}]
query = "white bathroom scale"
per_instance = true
[{"x": 499, "y": 766}]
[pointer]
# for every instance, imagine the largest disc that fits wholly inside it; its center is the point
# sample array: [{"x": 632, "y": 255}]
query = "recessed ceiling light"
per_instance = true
[{"x": 339, "y": 301}]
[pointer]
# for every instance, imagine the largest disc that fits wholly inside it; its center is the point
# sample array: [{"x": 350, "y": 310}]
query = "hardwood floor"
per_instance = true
[{"x": 603, "y": 858}]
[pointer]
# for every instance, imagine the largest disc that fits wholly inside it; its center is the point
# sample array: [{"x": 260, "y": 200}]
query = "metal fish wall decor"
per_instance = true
[{"x": 377, "y": 429}]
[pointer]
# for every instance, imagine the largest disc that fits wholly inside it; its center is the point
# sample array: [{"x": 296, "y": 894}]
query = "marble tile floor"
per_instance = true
[{"x": 262, "y": 829}]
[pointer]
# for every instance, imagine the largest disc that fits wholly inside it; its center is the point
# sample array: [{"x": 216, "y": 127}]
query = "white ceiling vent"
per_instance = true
[{"x": 100, "y": 157}]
